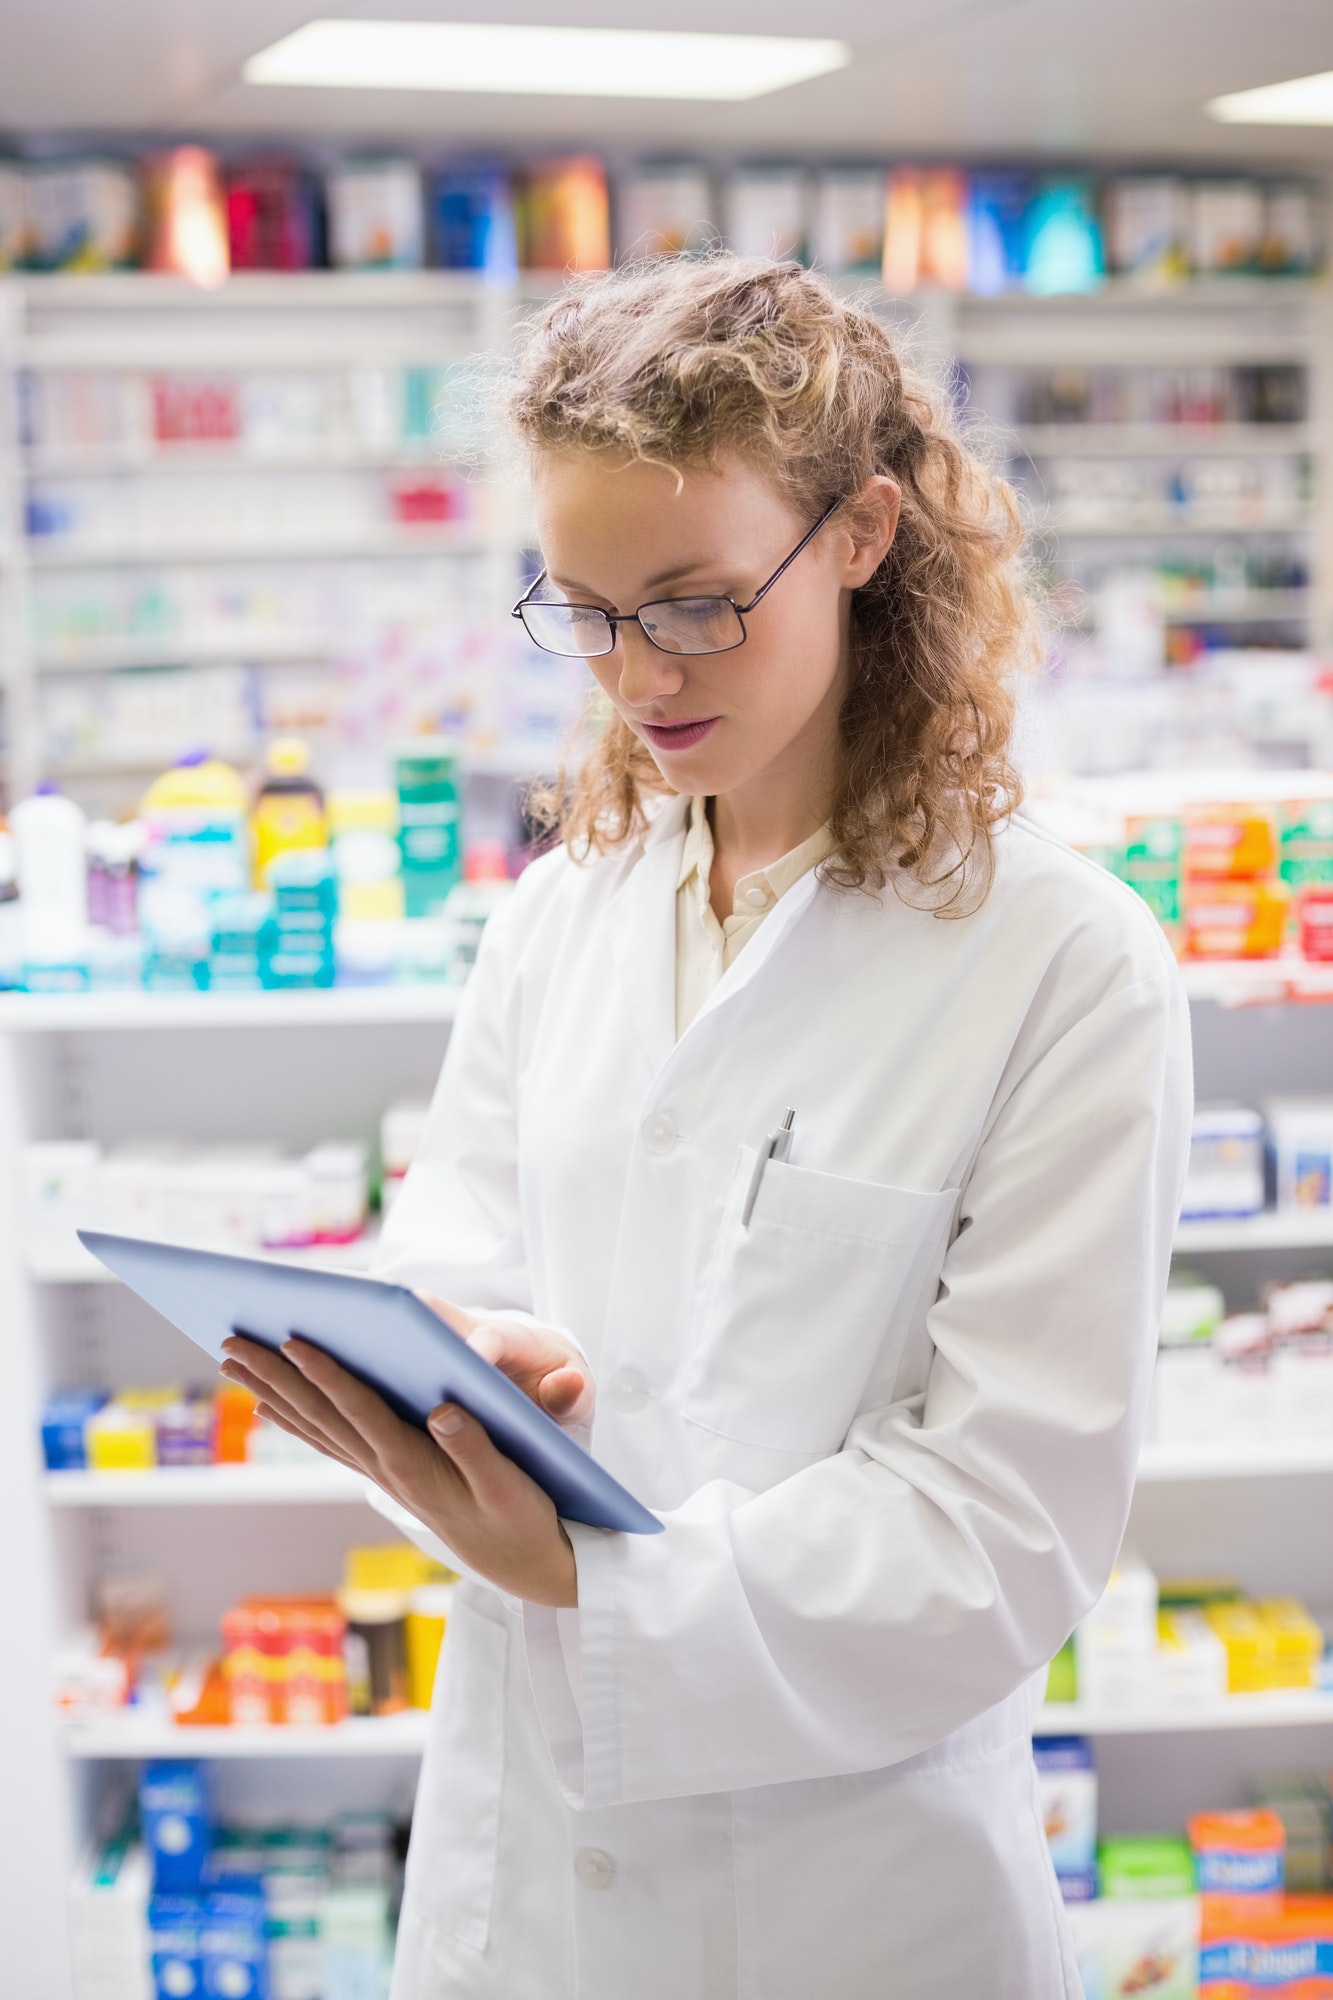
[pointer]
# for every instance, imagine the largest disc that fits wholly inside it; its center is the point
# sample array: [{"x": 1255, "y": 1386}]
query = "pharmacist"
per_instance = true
[{"x": 812, "y": 1132}]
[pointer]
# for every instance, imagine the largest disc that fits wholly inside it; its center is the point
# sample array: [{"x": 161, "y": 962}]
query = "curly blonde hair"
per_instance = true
[{"x": 681, "y": 361}]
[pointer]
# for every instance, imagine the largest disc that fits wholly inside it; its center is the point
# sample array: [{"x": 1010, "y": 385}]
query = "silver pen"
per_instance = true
[{"x": 775, "y": 1147}]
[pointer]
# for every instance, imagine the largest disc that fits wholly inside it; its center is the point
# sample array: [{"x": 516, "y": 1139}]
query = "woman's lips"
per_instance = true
[{"x": 677, "y": 735}]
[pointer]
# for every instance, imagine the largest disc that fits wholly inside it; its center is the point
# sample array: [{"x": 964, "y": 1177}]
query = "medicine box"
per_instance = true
[
  {"x": 1067, "y": 1788},
  {"x": 177, "y": 1823},
  {"x": 1225, "y": 1176},
  {"x": 1301, "y": 1134}
]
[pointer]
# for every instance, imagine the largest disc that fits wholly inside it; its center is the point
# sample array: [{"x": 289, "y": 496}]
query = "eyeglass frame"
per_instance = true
[{"x": 614, "y": 618}]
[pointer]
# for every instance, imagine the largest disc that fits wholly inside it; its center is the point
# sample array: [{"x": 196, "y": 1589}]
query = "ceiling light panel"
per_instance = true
[
  {"x": 1306, "y": 100},
  {"x": 563, "y": 62}
]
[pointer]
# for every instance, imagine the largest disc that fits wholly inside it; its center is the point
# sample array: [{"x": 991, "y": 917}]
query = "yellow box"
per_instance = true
[
  {"x": 427, "y": 1618},
  {"x": 117, "y": 1439},
  {"x": 391, "y": 1566},
  {"x": 1251, "y": 1646},
  {"x": 1298, "y": 1641}
]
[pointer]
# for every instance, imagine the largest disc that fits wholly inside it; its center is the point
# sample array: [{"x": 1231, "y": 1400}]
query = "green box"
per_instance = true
[{"x": 1147, "y": 1867}]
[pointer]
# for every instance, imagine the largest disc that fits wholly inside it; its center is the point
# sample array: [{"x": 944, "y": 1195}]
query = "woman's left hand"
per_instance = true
[{"x": 450, "y": 1477}]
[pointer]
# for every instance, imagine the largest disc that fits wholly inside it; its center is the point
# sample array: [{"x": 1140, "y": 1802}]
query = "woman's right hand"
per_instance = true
[{"x": 546, "y": 1366}]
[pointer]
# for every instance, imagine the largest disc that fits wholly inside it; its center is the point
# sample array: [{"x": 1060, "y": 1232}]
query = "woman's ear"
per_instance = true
[{"x": 872, "y": 527}]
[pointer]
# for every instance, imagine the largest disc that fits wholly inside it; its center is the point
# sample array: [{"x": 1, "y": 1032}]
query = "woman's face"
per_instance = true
[{"x": 618, "y": 533}]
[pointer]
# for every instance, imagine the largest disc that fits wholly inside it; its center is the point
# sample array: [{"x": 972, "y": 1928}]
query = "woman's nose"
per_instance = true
[{"x": 645, "y": 673}]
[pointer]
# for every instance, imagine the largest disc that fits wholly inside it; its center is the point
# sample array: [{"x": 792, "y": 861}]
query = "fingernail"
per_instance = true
[
  {"x": 292, "y": 1352},
  {"x": 447, "y": 1425}
]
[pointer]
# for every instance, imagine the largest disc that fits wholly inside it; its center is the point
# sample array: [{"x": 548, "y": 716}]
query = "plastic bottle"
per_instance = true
[
  {"x": 289, "y": 810},
  {"x": 50, "y": 834},
  {"x": 195, "y": 850}
]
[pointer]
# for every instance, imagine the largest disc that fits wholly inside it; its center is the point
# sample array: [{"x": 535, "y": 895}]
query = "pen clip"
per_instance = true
[{"x": 775, "y": 1147}]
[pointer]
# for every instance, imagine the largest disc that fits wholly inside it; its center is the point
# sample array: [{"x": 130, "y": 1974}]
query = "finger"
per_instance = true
[
  {"x": 456, "y": 1316},
  {"x": 469, "y": 1450},
  {"x": 566, "y": 1395},
  {"x": 282, "y": 1413},
  {"x": 269, "y": 1375},
  {"x": 359, "y": 1408},
  {"x": 320, "y": 1444}
]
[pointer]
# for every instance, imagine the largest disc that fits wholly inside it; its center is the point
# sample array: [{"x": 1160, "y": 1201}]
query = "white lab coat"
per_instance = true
[{"x": 782, "y": 1750}]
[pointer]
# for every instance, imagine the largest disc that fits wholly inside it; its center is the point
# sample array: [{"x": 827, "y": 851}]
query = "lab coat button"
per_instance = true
[
  {"x": 757, "y": 897},
  {"x": 594, "y": 1869},
  {"x": 660, "y": 1134},
  {"x": 629, "y": 1391}
]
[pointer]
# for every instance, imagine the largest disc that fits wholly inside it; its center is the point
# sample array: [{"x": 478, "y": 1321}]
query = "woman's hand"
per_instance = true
[{"x": 451, "y": 1478}]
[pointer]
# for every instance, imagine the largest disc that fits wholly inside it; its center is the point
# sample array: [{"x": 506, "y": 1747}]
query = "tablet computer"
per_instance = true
[{"x": 381, "y": 1333}]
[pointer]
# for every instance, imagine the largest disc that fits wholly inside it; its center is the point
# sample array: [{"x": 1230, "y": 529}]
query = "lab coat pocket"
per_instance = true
[
  {"x": 802, "y": 1305},
  {"x": 456, "y": 1823}
]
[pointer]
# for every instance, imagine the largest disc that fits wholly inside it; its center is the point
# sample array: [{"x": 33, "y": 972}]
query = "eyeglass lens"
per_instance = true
[{"x": 675, "y": 625}]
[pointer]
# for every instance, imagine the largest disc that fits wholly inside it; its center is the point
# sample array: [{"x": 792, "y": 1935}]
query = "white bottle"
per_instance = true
[{"x": 50, "y": 835}]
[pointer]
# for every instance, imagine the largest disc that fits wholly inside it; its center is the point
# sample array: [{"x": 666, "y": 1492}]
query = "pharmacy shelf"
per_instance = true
[
  {"x": 311, "y": 1007},
  {"x": 1153, "y": 527},
  {"x": 51, "y": 462},
  {"x": 1256, "y": 607},
  {"x": 1237, "y": 1458},
  {"x": 319, "y": 1484},
  {"x": 1129, "y": 440},
  {"x": 172, "y": 649},
  {"x": 423, "y": 541},
  {"x": 1258, "y": 982},
  {"x": 356, "y": 1256},
  {"x": 136, "y": 1736},
  {"x": 1276, "y": 1230},
  {"x": 1284, "y": 1709}
]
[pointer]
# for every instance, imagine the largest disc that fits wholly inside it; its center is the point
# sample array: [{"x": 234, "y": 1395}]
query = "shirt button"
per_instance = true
[
  {"x": 594, "y": 1869},
  {"x": 629, "y": 1391},
  {"x": 660, "y": 1134},
  {"x": 757, "y": 897}
]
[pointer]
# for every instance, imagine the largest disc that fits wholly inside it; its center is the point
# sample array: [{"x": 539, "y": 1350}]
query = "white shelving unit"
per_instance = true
[
  {"x": 293, "y": 1068},
  {"x": 391, "y": 1736},
  {"x": 298, "y": 1067}
]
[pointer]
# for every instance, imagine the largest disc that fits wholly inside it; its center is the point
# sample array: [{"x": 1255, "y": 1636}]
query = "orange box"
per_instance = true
[
  {"x": 1240, "y": 1854},
  {"x": 1233, "y": 919},
  {"x": 235, "y": 1408},
  {"x": 1286, "y": 1952},
  {"x": 283, "y": 1660},
  {"x": 1230, "y": 843}
]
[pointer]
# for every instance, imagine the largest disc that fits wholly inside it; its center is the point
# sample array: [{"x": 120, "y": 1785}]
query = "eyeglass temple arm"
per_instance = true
[{"x": 782, "y": 568}]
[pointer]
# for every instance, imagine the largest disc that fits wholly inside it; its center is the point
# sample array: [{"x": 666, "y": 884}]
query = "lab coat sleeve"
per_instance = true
[
  {"x": 867, "y": 1607},
  {"x": 454, "y": 1229}
]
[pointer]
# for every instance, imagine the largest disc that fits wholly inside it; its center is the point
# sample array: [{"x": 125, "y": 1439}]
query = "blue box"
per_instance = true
[
  {"x": 177, "y": 1824},
  {"x": 1067, "y": 1786},
  {"x": 173, "y": 1942},
  {"x": 63, "y": 1419},
  {"x": 234, "y": 1942}
]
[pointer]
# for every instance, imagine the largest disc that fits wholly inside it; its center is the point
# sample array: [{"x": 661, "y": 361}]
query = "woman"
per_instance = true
[{"x": 886, "y": 1385}]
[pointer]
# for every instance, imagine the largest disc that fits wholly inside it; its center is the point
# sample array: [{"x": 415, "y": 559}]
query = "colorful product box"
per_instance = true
[
  {"x": 233, "y": 1947},
  {"x": 173, "y": 1930},
  {"x": 1067, "y": 1788},
  {"x": 1151, "y": 861},
  {"x": 63, "y": 1426},
  {"x": 1250, "y": 1954},
  {"x": 1230, "y": 842},
  {"x": 174, "y": 1811},
  {"x": 1233, "y": 919},
  {"x": 1240, "y": 1853}
]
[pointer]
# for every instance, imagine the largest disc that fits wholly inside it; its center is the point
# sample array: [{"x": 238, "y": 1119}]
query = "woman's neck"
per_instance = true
[{"x": 751, "y": 830}]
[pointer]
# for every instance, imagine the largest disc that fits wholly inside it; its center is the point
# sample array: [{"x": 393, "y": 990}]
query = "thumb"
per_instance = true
[{"x": 464, "y": 1442}]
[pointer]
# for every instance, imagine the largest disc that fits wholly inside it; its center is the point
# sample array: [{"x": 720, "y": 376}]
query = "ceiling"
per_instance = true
[{"x": 945, "y": 78}]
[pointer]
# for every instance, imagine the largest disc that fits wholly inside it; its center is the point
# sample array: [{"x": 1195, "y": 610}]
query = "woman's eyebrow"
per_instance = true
[{"x": 666, "y": 576}]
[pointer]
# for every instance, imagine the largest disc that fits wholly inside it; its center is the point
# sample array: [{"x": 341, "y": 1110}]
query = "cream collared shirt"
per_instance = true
[{"x": 705, "y": 947}]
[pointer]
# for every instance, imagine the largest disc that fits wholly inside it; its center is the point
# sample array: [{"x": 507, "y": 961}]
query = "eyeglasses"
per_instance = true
[{"x": 672, "y": 624}]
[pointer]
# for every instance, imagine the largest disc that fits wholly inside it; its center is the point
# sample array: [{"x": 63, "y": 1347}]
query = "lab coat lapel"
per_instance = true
[
  {"x": 786, "y": 914},
  {"x": 642, "y": 919}
]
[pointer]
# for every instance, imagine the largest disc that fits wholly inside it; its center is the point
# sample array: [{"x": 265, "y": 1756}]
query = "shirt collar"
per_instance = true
[{"x": 775, "y": 880}]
